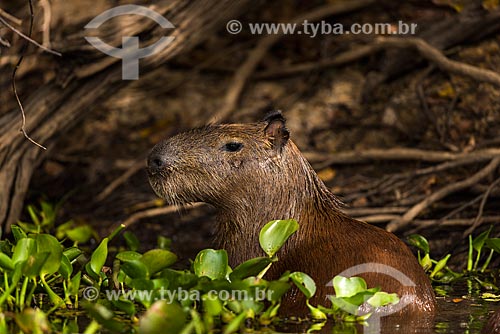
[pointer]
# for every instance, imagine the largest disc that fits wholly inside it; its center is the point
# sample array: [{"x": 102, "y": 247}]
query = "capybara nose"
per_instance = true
[{"x": 156, "y": 162}]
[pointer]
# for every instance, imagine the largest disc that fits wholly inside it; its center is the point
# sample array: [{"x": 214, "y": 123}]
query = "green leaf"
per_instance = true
[
  {"x": 33, "y": 212},
  {"x": 128, "y": 256},
  {"x": 74, "y": 284},
  {"x": 18, "y": 233},
  {"x": 316, "y": 313},
  {"x": 124, "y": 305},
  {"x": 66, "y": 268},
  {"x": 211, "y": 263},
  {"x": 32, "y": 321},
  {"x": 275, "y": 233},
  {"x": 135, "y": 269},
  {"x": 494, "y": 243},
  {"x": 420, "y": 242},
  {"x": 80, "y": 234},
  {"x": 426, "y": 262},
  {"x": 249, "y": 268},
  {"x": 132, "y": 241},
  {"x": 23, "y": 249},
  {"x": 6, "y": 262},
  {"x": 158, "y": 259},
  {"x": 164, "y": 243},
  {"x": 98, "y": 258},
  {"x": 212, "y": 305},
  {"x": 478, "y": 242},
  {"x": 440, "y": 265},
  {"x": 35, "y": 264},
  {"x": 72, "y": 253},
  {"x": 382, "y": 299},
  {"x": 276, "y": 290},
  {"x": 304, "y": 282},
  {"x": 344, "y": 305},
  {"x": 348, "y": 287},
  {"x": 235, "y": 324},
  {"x": 49, "y": 243},
  {"x": 104, "y": 316},
  {"x": 162, "y": 318}
]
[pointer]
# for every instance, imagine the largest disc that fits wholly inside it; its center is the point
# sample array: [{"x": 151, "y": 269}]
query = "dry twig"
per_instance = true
[
  {"x": 477, "y": 220},
  {"x": 137, "y": 166},
  {"x": 255, "y": 56},
  {"x": 155, "y": 212},
  {"x": 366, "y": 156},
  {"x": 436, "y": 56},
  {"x": 441, "y": 193}
]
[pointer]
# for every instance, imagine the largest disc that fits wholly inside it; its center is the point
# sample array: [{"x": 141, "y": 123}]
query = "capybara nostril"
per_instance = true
[{"x": 156, "y": 162}]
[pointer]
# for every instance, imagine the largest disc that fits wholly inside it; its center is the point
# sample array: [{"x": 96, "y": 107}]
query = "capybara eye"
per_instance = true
[{"x": 233, "y": 147}]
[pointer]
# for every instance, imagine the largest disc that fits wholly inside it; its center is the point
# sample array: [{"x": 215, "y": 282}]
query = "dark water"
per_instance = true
[{"x": 455, "y": 315}]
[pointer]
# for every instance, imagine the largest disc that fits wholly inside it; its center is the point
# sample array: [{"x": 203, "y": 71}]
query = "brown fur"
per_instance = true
[{"x": 270, "y": 179}]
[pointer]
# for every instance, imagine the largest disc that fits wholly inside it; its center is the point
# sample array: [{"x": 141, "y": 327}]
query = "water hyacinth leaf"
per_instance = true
[
  {"x": 80, "y": 234},
  {"x": 212, "y": 305},
  {"x": 362, "y": 296},
  {"x": 74, "y": 284},
  {"x": 304, "y": 282},
  {"x": 160, "y": 283},
  {"x": 18, "y": 233},
  {"x": 62, "y": 228},
  {"x": 276, "y": 290},
  {"x": 382, "y": 299},
  {"x": 426, "y": 262},
  {"x": 249, "y": 268},
  {"x": 162, "y": 318},
  {"x": 66, "y": 268},
  {"x": 99, "y": 256},
  {"x": 348, "y": 287},
  {"x": 494, "y": 243},
  {"x": 35, "y": 263},
  {"x": 128, "y": 256},
  {"x": 440, "y": 265},
  {"x": 316, "y": 313},
  {"x": 344, "y": 305},
  {"x": 478, "y": 242},
  {"x": 104, "y": 317},
  {"x": 211, "y": 263},
  {"x": 28, "y": 228},
  {"x": 164, "y": 242},
  {"x": 23, "y": 249},
  {"x": 72, "y": 253},
  {"x": 124, "y": 305},
  {"x": 235, "y": 324},
  {"x": 70, "y": 326},
  {"x": 158, "y": 259},
  {"x": 6, "y": 262},
  {"x": 132, "y": 241},
  {"x": 179, "y": 279},
  {"x": 275, "y": 233},
  {"x": 253, "y": 305},
  {"x": 135, "y": 269},
  {"x": 47, "y": 242},
  {"x": 420, "y": 242},
  {"x": 32, "y": 321}
]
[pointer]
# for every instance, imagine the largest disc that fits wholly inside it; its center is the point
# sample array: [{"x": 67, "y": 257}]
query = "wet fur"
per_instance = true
[{"x": 270, "y": 179}]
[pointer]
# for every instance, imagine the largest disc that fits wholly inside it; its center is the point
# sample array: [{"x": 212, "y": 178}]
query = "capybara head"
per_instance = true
[{"x": 219, "y": 163}]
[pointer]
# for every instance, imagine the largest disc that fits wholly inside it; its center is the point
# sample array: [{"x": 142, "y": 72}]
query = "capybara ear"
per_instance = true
[{"x": 276, "y": 131}]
